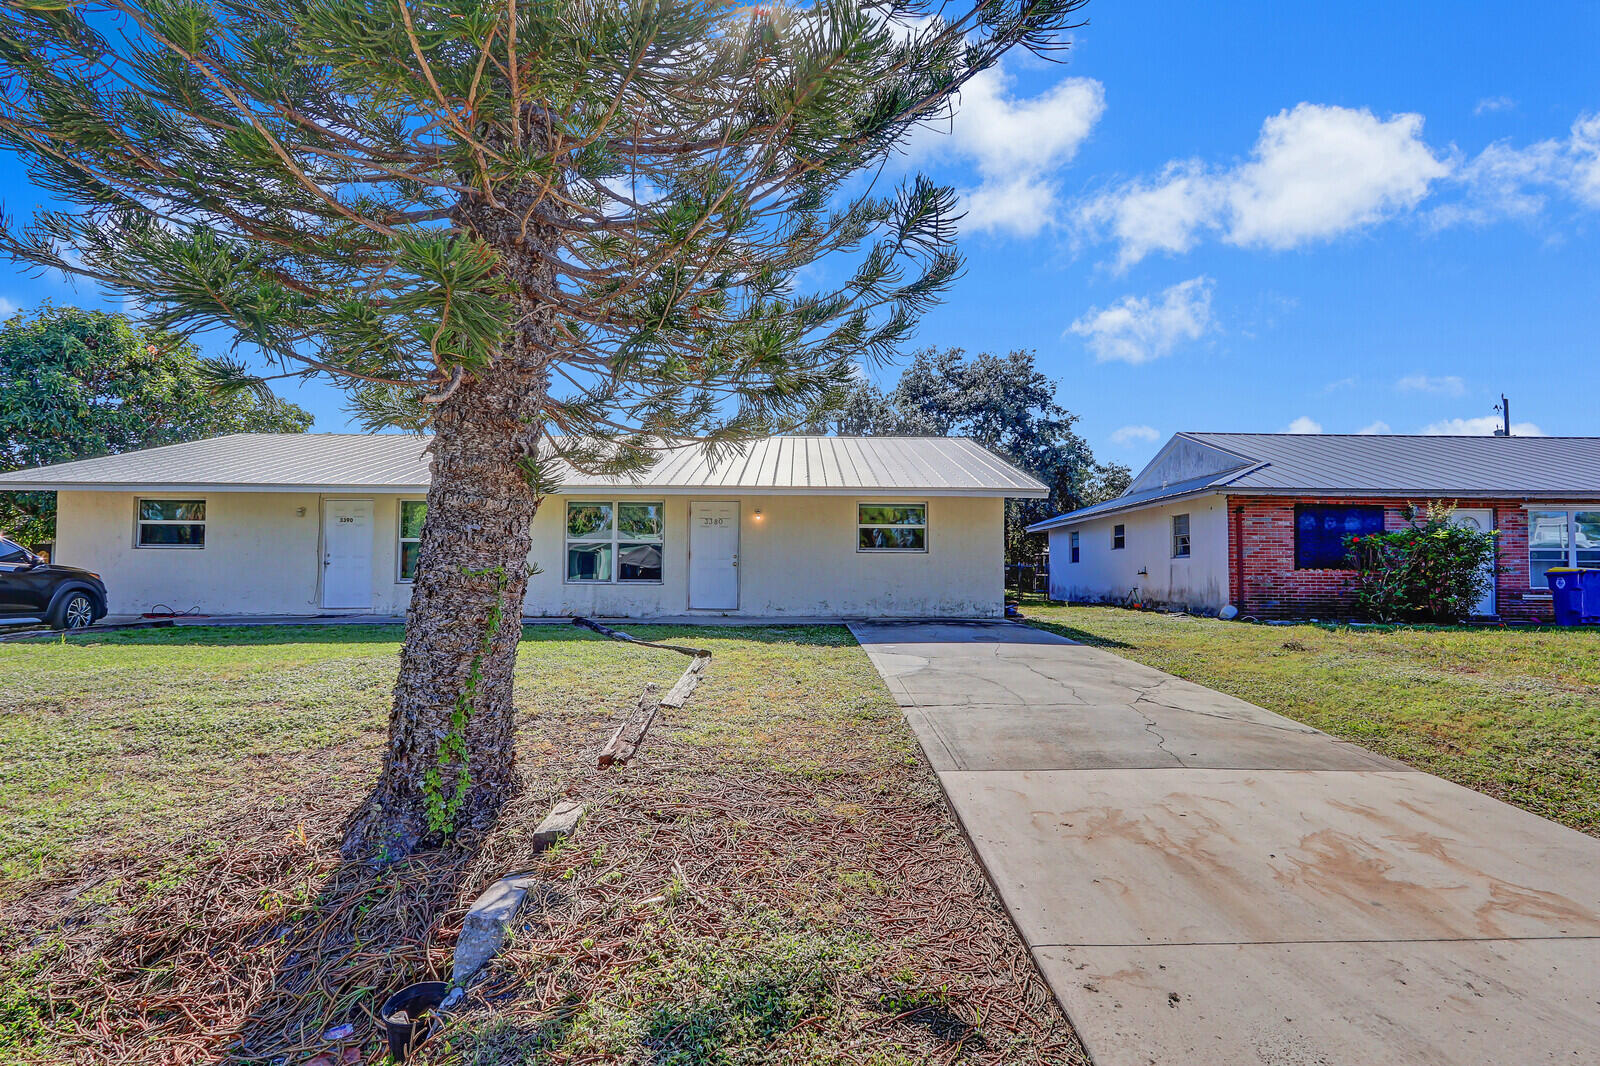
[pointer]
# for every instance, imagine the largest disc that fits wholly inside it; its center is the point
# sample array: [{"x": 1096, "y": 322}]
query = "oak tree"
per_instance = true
[
  {"x": 77, "y": 384},
  {"x": 1006, "y": 404}
]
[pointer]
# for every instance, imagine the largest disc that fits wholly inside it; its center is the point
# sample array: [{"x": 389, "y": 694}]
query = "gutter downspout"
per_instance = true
[{"x": 1236, "y": 535}]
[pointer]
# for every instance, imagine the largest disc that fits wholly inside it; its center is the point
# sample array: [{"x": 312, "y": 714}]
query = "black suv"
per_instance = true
[{"x": 32, "y": 590}]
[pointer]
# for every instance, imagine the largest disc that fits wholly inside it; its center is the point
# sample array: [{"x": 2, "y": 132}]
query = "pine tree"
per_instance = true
[{"x": 550, "y": 232}]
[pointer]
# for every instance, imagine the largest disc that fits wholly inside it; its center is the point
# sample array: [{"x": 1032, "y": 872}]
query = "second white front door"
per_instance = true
[
  {"x": 347, "y": 553},
  {"x": 1482, "y": 521},
  {"x": 714, "y": 555}
]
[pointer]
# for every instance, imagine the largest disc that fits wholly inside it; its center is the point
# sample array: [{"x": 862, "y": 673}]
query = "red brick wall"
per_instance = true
[{"x": 1265, "y": 584}]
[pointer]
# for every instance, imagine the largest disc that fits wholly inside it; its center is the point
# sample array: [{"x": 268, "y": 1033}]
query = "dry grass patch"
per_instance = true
[{"x": 776, "y": 880}]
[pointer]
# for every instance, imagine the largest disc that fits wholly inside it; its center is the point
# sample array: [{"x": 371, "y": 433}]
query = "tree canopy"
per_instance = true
[
  {"x": 1004, "y": 403},
  {"x": 78, "y": 384},
  {"x": 391, "y": 191}
]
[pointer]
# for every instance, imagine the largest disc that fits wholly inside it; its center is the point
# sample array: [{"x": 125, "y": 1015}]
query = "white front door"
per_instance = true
[
  {"x": 714, "y": 556},
  {"x": 347, "y": 553},
  {"x": 1482, "y": 521}
]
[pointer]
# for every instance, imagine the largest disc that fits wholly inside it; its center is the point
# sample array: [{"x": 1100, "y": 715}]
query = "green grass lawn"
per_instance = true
[
  {"x": 775, "y": 880},
  {"x": 1511, "y": 712}
]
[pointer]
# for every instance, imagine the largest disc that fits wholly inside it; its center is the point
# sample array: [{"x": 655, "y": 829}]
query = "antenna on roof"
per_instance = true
[{"x": 1504, "y": 409}]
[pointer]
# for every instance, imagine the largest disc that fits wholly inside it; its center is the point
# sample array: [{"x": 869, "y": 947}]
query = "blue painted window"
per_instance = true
[
  {"x": 1073, "y": 544},
  {"x": 1320, "y": 529}
]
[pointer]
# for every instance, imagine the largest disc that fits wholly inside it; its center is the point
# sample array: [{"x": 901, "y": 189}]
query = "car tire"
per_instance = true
[{"x": 75, "y": 611}]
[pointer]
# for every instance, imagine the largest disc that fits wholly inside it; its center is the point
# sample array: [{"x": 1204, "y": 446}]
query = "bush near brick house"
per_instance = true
[{"x": 1434, "y": 571}]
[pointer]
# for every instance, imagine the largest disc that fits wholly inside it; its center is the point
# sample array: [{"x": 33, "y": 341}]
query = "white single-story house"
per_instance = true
[
  {"x": 793, "y": 526},
  {"x": 1259, "y": 520}
]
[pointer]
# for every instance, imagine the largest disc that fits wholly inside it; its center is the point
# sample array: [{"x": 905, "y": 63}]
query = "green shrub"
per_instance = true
[{"x": 1435, "y": 571}]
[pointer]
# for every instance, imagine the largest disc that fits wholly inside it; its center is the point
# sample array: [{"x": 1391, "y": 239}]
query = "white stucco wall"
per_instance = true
[
  {"x": 262, "y": 555},
  {"x": 1199, "y": 582},
  {"x": 798, "y": 559}
]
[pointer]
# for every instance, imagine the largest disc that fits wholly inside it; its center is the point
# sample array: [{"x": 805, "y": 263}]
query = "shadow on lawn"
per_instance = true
[
  {"x": 249, "y": 951},
  {"x": 1082, "y": 636},
  {"x": 364, "y": 934}
]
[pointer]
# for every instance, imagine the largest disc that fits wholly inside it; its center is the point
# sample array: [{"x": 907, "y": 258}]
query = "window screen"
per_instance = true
[
  {"x": 1549, "y": 533},
  {"x": 611, "y": 541},
  {"x": 172, "y": 524},
  {"x": 892, "y": 527},
  {"x": 412, "y": 514},
  {"x": 1320, "y": 529}
]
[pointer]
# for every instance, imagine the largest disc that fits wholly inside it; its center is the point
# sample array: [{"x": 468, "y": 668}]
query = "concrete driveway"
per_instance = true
[{"x": 1205, "y": 882}]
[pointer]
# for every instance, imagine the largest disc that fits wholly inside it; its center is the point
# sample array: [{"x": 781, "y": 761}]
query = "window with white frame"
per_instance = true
[
  {"x": 1119, "y": 537},
  {"x": 892, "y": 527},
  {"x": 611, "y": 541},
  {"x": 412, "y": 513},
  {"x": 1180, "y": 536},
  {"x": 1072, "y": 546},
  {"x": 171, "y": 524},
  {"x": 1561, "y": 538}
]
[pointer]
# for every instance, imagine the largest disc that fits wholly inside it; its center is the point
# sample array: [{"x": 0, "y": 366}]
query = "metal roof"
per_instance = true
[
  {"x": 345, "y": 462},
  {"x": 1332, "y": 464}
]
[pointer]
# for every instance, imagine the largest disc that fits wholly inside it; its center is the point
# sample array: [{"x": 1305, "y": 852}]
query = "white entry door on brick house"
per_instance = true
[
  {"x": 1483, "y": 521},
  {"x": 347, "y": 553},
  {"x": 714, "y": 555}
]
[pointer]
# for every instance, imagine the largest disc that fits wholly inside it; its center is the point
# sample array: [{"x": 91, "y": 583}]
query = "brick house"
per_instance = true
[{"x": 1258, "y": 520}]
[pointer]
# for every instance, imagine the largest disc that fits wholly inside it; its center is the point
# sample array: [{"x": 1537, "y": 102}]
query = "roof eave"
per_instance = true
[
  {"x": 1434, "y": 493},
  {"x": 1086, "y": 514},
  {"x": 568, "y": 489}
]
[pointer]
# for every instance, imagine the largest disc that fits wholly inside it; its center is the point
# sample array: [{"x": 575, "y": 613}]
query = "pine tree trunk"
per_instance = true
[{"x": 451, "y": 755}]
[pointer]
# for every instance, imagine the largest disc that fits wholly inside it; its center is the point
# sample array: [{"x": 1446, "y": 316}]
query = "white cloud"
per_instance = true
[
  {"x": 1342, "y": 383},
  {"x": 1137, "y": 329},
  {"x": 1304, "y": 424},
  {"x": 1379, "y": 426},
  {"x": 1168, "y": 214},
  {"x": 1480, "y": 427},
  {"x": 1316, "y": 172},
  {"x": 1018, "y": 146},
  {"x": 1490, "y": 104},
  {"x": 1502, "y": 182},
  {"x": 1448, "y": 385},
  {"x": 1505, "y": 181},
  {"x": 1584, "y": 147},
  {"x": 7, "y": 308},
  {"x": 1130, "y": 434},
  {"x": 1322, "y": 171}
]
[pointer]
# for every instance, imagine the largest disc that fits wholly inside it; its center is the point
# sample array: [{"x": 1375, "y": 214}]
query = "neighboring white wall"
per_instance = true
[
  {"x": 797, "y": 560},
  {"x": 1199, "y": 582}
]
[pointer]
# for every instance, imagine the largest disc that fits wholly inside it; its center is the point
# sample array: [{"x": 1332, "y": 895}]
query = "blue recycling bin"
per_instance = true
[{"x": 1576, "y": 592}]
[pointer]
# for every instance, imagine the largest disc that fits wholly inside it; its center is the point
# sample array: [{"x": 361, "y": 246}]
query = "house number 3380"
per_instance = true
[{"x": 713, "y": 521}]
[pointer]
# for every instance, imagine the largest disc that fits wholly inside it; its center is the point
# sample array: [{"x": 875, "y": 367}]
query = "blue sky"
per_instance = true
[{"x": 1259, "y": 216}]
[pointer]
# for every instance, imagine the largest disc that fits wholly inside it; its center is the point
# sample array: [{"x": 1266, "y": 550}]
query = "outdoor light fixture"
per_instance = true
[{"x": 758, "y": 514}]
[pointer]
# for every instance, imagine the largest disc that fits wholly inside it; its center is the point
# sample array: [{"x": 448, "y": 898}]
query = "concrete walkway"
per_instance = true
[{"x": 1204, "y": 882}]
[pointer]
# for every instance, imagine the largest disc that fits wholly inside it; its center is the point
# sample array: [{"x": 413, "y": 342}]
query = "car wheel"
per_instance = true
[{"x": 75, "y": 612}]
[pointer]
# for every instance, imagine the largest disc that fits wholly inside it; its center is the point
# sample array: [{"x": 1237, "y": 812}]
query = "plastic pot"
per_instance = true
[{"x": 418, "y": 1001}]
